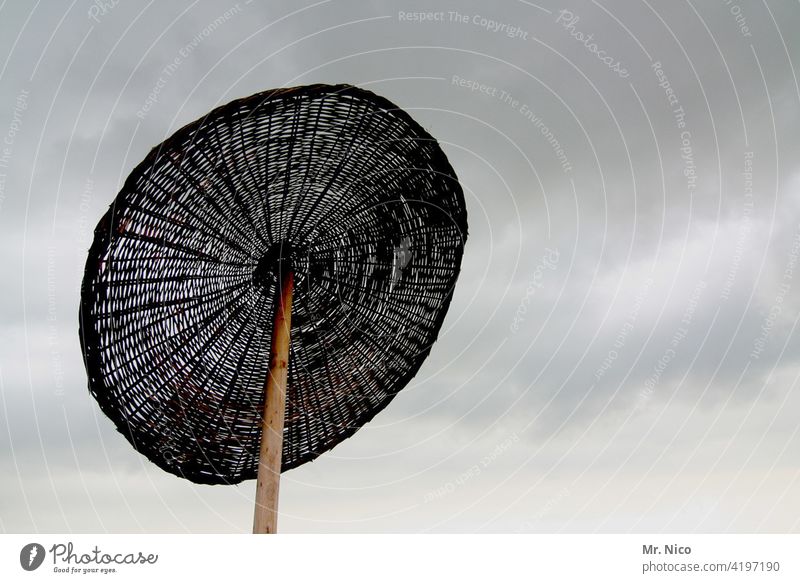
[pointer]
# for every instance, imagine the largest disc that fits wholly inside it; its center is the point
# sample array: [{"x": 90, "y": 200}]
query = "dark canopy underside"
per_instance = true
[{"x": 178, "y": 293}]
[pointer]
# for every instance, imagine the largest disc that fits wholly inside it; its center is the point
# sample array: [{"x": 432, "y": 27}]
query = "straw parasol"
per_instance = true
[{"x": 267, "y": 280}]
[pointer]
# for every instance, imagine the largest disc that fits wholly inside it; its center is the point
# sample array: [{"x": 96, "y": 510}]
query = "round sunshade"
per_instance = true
[{"x": 180, "y": 283}]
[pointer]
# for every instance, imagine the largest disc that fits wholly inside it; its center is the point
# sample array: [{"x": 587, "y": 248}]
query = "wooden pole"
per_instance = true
[{"x": 265, "y": 520}]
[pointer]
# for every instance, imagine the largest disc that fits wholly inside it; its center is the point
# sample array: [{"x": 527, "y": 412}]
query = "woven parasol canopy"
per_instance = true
[{"x": 312, "y": 233}]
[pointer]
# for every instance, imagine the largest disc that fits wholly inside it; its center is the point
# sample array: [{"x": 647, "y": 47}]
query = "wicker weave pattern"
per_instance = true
[{"x": 179, "y": 289}]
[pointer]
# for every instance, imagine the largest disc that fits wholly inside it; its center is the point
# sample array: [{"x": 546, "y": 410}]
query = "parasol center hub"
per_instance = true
[{"x": 277, "y": 259}]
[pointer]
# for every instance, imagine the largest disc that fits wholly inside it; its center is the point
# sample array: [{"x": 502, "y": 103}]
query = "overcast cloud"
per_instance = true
[{"x": 621, "y": 353}]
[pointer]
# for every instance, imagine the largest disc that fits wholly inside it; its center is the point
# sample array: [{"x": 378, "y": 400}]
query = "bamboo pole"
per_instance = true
[{"x": 265, "y": 520}]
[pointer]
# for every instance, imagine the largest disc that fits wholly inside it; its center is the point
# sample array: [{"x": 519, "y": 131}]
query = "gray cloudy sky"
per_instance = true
[{"x": 621, "y": 353}]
